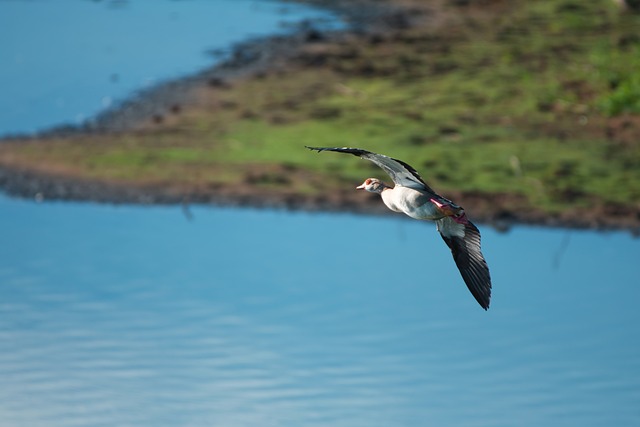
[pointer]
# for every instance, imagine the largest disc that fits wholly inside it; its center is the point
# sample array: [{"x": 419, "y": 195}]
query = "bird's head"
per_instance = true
[{"x": 373, "y": 185}]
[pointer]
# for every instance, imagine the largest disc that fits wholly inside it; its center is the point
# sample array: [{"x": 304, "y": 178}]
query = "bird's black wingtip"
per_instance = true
[
  {"x": 355, "y": 151},
  {"x": 483, "y": 300},
  {"x": 318, "y": 149},
  {"x": 484, "y": 303}
]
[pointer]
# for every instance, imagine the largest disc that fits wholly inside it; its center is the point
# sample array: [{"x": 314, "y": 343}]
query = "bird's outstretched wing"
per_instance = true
[
  {"x": 400, "y": 172},
  {"x": 463, "y": 238}
]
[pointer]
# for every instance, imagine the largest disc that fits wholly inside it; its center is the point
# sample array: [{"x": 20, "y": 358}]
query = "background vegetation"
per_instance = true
[{"x": 536, "y": 103}]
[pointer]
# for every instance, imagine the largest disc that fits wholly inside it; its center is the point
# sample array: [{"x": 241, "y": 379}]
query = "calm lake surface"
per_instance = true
[
  {"x": 237, "y": 317},
  {"x": 157, "y": 316}
]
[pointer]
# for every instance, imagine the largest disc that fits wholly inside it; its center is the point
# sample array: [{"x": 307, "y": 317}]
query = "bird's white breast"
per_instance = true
[{"x": 412, "y": 202}]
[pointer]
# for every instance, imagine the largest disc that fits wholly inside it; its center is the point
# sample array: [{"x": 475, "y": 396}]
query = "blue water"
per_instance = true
[
  {"x": 140, "y": 316},
  {"x": 65, "y": 61}
]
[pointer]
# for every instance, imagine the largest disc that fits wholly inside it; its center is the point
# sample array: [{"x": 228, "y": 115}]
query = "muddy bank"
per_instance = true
[{"x": 500, "y": 211}]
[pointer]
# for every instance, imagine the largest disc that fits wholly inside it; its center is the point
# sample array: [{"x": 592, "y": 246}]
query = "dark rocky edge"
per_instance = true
[{"x": 487, "y": 208}]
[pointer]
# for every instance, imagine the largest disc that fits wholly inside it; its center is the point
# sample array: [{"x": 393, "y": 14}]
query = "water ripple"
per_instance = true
[{"x": 155, "y": 343}]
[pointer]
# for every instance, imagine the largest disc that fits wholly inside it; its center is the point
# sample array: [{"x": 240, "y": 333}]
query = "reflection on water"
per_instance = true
[
  {"x": 138, "y": 316},
  {"x": 63, "y": 62}
]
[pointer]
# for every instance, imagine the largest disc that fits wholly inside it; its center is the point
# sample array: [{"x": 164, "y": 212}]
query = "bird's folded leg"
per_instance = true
[{"x": 454, "y": 211}]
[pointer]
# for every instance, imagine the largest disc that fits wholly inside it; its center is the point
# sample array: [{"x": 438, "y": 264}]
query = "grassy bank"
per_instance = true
[{"x": 534, "y": 106}]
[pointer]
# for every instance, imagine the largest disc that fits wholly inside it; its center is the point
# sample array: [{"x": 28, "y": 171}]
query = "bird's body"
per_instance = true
[
  {"x": 417, "y": 204},
  {"x": 413, "y": 197},
  {"x": 412, "y": 202}
]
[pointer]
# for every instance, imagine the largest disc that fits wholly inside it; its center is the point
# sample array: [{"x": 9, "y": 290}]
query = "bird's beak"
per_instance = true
[{"x": 360, "y": 187}]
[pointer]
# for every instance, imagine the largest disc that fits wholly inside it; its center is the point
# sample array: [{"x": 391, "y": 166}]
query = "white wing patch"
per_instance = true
[{"x": 448, "y": 227}]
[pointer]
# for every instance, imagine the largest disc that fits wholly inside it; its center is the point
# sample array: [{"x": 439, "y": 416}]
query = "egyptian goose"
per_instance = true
[{"x": 412, "y": 196}]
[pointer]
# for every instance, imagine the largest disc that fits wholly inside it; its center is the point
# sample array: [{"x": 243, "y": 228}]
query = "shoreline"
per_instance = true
[
  {"x": 25, "y": 184},
  {"x": 248, "y": 60}
]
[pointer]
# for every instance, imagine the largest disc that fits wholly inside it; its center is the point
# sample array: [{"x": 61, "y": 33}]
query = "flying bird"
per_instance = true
[{"x": 412, "y": 196}]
